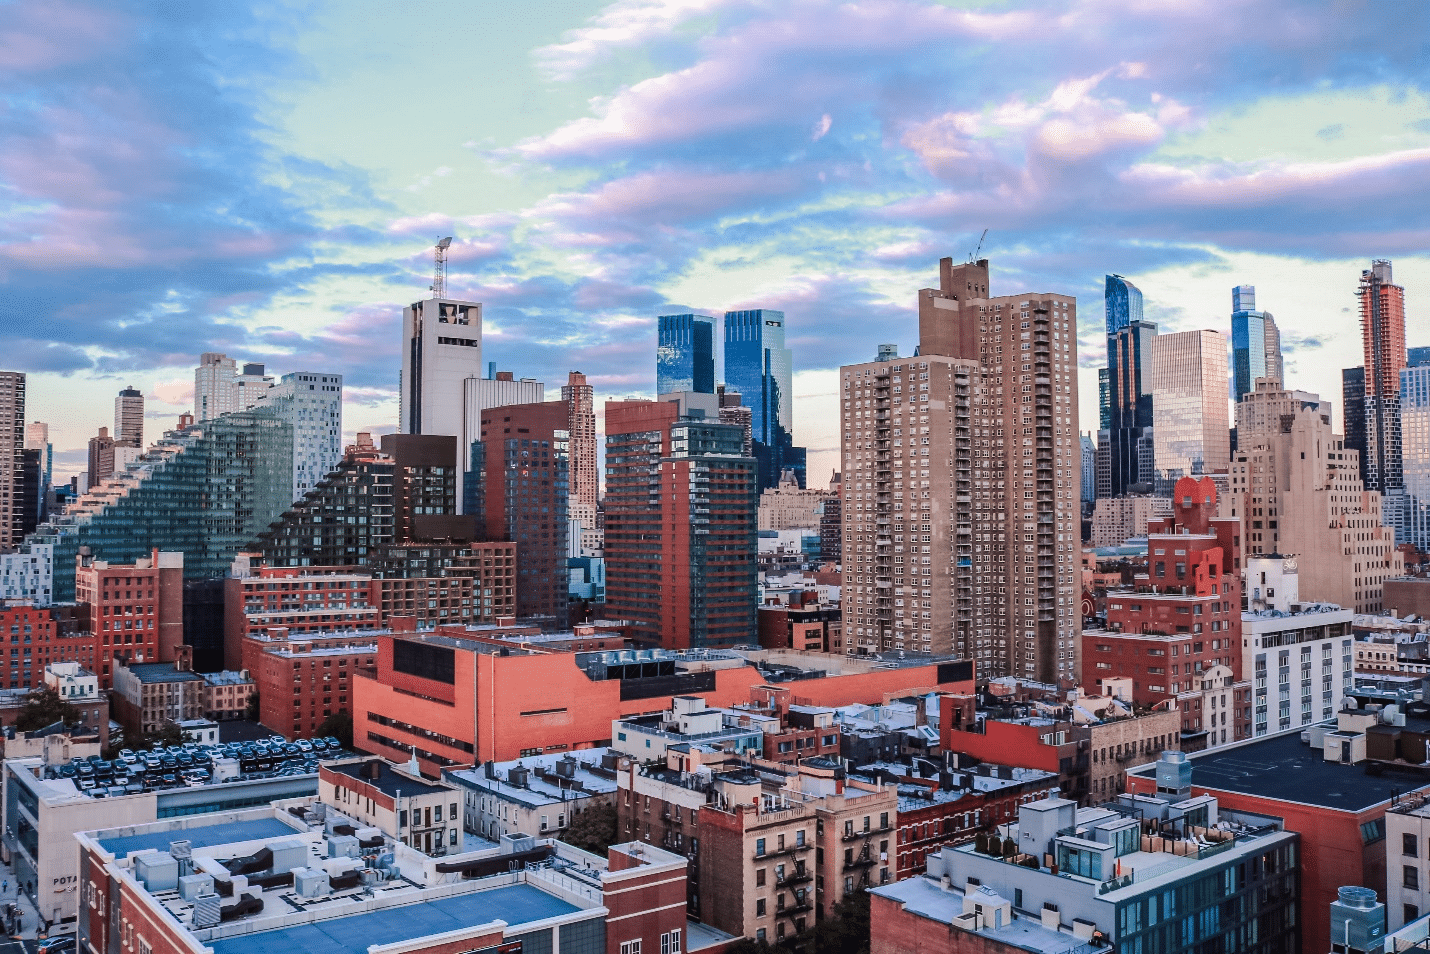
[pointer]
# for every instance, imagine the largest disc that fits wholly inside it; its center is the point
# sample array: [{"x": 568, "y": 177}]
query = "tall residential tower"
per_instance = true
[
  {"x": 1255, "y": 343},
  {"x": 1382, "y": 321}
]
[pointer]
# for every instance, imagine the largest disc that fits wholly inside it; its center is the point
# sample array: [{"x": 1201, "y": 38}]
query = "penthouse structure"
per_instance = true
[
  {"x": 1064, "y": 877},
  {"x": 948, "y": 550},
  {"x": 680, "y": 523}
]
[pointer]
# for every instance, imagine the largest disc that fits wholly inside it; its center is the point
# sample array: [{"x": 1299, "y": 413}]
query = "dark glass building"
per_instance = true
[
  {"x": 759, "y": 366},
  {"x": 685, "y": 354},
  {"x": 1353, "y": 411}
]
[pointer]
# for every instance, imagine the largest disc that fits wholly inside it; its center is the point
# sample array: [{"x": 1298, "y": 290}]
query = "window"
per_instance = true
[
  {"x": 1411, "y": 913},
  {"x": 1408, "y": 845},
  {"x": 631, "y": 947},
  {"x": 759, "y": 907},
  {"x": 1412, "y": 878},
  {"x": 759, "y": 877},
  {"x": 670, "y": 942},
  {"x": 759, "y": 847}
]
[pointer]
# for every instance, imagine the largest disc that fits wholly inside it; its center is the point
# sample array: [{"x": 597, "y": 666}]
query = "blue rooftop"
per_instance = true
[
  {"x": 201, "y": 836},
  {"x": 515, "y": 904}
]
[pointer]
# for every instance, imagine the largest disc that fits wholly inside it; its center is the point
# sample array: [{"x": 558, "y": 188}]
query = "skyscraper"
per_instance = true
[
  {"x": 519, "y": 481},
  {"x": 759, "y": 366},
  {"x": 1413, "y": 525},
  {"x": 1130, "y": 401},
  {"x": 222, "y": 387},
  {"x": 1123, "y": 303},
  {"x": 1353, "y": 411},
  {"x": 580, "y": 399},
  {"x": 1190, "y": 429},
  {"x": 680, "y": 523},
  {"x": 129, "y": 418},
  {"x": 969, "y": 451},
  {"x": 312, "y": 402},
  {"x": 685, "y": 356},
  {"x": 441, "y": 353},
  {"x": 1382, "y": 319},
  {"x": 1255, "y": 343},
  {"x": 12, "y": 454},
  {"x": 101, "y": 457},
  {"x": 37, "y": 438}
]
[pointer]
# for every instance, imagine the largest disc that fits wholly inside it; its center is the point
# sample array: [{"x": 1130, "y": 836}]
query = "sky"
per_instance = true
[{"x": 267, "y": 180}]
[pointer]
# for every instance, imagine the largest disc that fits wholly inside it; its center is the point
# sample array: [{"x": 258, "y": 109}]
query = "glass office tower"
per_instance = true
[
  {"x": 1255, "y": 342},
  {"x": 759, "y": 366},
  {"x": 685, "y": 356},
  {"x": 1123, "y": 303}
]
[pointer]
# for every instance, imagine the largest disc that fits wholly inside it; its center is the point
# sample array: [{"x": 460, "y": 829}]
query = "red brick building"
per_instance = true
[
  {"x": 298, "y": 600},
  {"x": 36, "y": 637},
  {"x": 302, "y": 683},
  {"x": 136, "y": 610},
  {"x": 520, "y": 474},
  {"x": 1183, "y": 616},
  {"x": 680, "y": 509},
  {"x": 802, "y": 623}
]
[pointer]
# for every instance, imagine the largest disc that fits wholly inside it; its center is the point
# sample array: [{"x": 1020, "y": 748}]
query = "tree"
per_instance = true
[
  {"x": 340, "y": 726},
  {"x": 251, "y": 712},
  {"x": 845, "y": 931},
  {"x": 593, "y": 830},
  {"x": 44, "y": 707}
]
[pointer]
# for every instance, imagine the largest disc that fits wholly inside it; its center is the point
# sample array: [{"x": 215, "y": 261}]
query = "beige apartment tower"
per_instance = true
[
  {"x": 1190, "y": 430},
  {"x": 1297, "y": 490},
  {"x": 961, "y": 480}
]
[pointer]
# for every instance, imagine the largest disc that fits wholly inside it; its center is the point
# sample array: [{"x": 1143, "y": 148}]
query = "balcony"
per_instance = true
[
  {"x": 864, "y": 860},
  {"x": 800, "y": 876},
  {"x": 865, "y": 833},
  {"x": 788, "y": 850}
]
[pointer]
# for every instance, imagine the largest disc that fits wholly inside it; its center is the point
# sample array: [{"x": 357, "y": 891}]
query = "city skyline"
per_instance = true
[{"x": 644, "y": 173}]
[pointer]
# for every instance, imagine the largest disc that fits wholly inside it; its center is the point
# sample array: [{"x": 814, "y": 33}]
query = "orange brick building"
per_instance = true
[{"x": 459, "y": 701}]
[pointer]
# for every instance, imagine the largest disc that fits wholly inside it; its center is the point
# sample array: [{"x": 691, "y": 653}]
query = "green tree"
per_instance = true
[
  {"x": 845, "y": 931},
  {"x": 252, "y": 711},
  {"x": 45, "y": 707},
  {"x": 166, "y": 735},
  {"x": 593, "y": 830},
  {"x": 340, "y": 726}
]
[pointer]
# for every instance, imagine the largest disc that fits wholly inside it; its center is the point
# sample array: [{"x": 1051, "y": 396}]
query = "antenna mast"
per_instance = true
[{"x": 439, "y": 268}]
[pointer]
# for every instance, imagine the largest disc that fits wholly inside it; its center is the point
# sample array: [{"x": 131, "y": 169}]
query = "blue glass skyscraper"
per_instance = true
[
  {"x": 1123, "y": 302},
  {"x": 1255, "y": 342},
  {"x": 685, "y": 354},
  {"x": 759, "y": 366}
]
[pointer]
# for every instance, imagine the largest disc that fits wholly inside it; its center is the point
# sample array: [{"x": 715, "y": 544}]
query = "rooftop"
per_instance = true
[
  {"x": 388, "y": 780},
  {"x": 544, "y": 781},
  {"x": 1284, "y": 768},
  {"x": 928, "y": 899},
  {"x": 161, "y": 672}
]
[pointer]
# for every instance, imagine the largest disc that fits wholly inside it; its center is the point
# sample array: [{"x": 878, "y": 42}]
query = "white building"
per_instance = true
[
  {"x": 538, "y": 795},
  {"x": 1297, "y": 655},
  {"x": 220, "y": 387},
  {"x": 313, "y": 404},
  {"x": 28, "y": 573},
  {"x": 72, "y": 682}
]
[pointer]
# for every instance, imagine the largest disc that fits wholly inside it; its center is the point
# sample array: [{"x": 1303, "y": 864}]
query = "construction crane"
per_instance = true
[
  {"x": 439, "y": 268},
  {"x": 973, "y": 256}
]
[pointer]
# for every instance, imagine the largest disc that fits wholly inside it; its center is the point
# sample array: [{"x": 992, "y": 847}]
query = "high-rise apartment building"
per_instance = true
[
  {"x": 313, "y": 404},
  {"x": 1413, "y": 521},
  {"x": 441, "y": 372},
  {"x": 961, "y": 483},
  {"x": 760, "y": 367},
  {"x": 518, "y": 488},
  {"x": 680, "y": 523},
  {"x": 1255, "y": 343},
  {"x": 222, "y": 387},
  {"x": 1189, "y": 404},
  {"x": 101, "y": 457},
  {"x": 1296, "y": 488},
  {"x": 1382, "y": 319},
  {"x": 205, "y": 492},
  {"x": 12, "y": 463},
  {"x": 129, "y": 418},
  {"x": 687, "y": 354},
  {"x": 580, "y": 399}
]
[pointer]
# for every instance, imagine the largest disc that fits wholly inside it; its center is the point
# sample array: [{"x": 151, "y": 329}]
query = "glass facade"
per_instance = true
[
  {"x": 1413, "y": 526},
  {"x": 1129, "y": 372},
  {"x": 1255, "y": 342},
  {"x": 206, "y": 491},
  {"x": 1190, "y": 420},
  {"x": 685, "y": 354},
  {"x": 1123, "y": 303},
  {"x": 760, "y": 367}
]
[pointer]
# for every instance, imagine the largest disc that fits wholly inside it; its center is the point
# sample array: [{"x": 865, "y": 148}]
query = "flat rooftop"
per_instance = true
[
  {"x": 388, "y": 781},
  {"x": 928, "y": 899},
  {"x": 202, "y": 836},
  {"x": 515, "y": 904},
  {"x": 1284, "y": 768}
]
